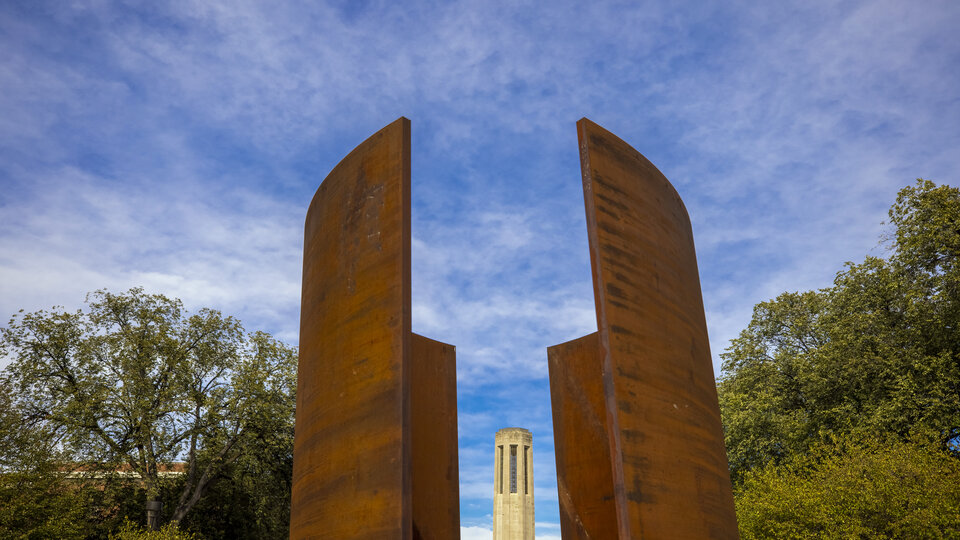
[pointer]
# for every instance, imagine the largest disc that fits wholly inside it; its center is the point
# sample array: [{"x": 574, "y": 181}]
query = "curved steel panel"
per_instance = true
[
  {"x": 651, "y": 366},
  {"x": 351, "y": 455},
  {"x": 671, "y": 478},
  {"x": 375, "y": 447}
]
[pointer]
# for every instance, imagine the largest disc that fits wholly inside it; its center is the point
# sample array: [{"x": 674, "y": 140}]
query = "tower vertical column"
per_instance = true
[{"x": 513, "y": 515}]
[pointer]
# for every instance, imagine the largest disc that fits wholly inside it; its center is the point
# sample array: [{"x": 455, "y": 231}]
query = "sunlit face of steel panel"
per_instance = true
[
  {"x": 669, "y": 462},
  {"x": 584, "y": 474},
  {"x": 433, "y": 404},
  {"x": 351, "y": 455}
]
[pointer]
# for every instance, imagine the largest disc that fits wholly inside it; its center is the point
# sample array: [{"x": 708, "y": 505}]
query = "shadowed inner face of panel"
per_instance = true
[
  {"x": 435, "y": 480},
  {"x": 584, "y": 474}
]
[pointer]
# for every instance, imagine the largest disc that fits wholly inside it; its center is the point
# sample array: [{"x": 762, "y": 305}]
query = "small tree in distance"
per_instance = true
[{"x": 136, "y": 383}]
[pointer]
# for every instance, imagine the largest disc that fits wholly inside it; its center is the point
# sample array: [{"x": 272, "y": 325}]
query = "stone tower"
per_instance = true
[{"x": 513, "y": 485}]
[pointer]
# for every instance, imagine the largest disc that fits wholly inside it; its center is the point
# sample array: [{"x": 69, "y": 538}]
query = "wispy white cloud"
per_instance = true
[
  {"x": 475, "y": 533},
  {"x": 79, "y": 233},
  {"x": 482, "y": 533}
]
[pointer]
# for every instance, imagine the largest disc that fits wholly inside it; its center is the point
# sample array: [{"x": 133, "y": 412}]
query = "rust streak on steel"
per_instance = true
[
  {"x": 584, "y": 475},
  {"x": 354, "y": 469},
  {"x": 664, "y": 437}
]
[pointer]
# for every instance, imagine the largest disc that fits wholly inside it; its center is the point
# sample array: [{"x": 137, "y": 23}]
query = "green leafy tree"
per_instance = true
[
  {"x": 876, "y": 354},
  {"x": 135, "y": 383},
  {"x": 36, "y": 498},
  {"x": 854, "y": 489},
  {"x": 252, "y": 498}
]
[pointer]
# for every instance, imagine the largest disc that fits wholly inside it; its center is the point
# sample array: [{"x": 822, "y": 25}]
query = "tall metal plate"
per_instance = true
[
  {"x": 584, "y": 474},
  {"x": 665, "y": 440},
  {"x": 436, "y": 475},
  {"x": 351, "y": 455},
  {"x": 375, "y": 448}
]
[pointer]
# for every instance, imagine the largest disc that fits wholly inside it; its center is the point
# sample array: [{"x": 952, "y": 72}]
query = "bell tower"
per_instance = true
[{"x": 513, "y": 485}]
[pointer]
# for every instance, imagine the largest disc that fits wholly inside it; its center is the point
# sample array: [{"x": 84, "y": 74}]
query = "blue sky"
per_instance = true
[{"x": 176, "y": 145}]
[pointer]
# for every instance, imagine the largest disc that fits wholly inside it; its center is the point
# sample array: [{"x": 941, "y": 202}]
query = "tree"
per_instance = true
[
  {"x": 854, "y": 489},
  {"x": 770, "y": 390},
  {"x": 136, "y": 383},
  {"x": 36, "y": 501},
  {"x": 877, "y": 354}
]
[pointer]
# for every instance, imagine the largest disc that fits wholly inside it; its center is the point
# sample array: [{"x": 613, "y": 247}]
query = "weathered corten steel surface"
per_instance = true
[
  {"x": 436, "y": 475},
  {"x": 667, "y": 457},
  {"x": 584, "y": 474},
  {"x": 353, "y": 469}
]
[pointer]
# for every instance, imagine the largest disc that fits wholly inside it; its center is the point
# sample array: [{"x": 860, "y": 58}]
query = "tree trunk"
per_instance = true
[{"x": 154, "y": 507}]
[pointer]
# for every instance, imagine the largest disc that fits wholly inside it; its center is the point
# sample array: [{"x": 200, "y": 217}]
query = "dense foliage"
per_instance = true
[
  {"x": 874, "y": 357},
  {"x": 847, "y": 489},
  {"x": 170, "y": 531},
  {"x": 878, "y": 353},
  {"x": 99, "y": 404}
]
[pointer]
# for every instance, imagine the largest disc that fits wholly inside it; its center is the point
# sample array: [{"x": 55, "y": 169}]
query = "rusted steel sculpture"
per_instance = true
[
  {"x": 637, "y": 430},
  {"x": 375, "y": 447}
]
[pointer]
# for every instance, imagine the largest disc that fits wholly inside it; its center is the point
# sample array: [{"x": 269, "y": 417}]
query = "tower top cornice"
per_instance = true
[{"x": 513, "y": 430}]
